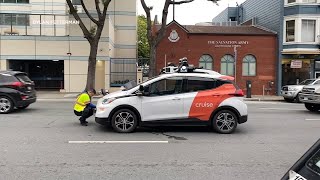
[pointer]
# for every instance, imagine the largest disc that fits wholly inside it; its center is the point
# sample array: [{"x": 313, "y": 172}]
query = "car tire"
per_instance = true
[
  {"x": 288, "y": 100},
  {"x": 312, "y": 107},
  {"x": 124, "y": 121},
  {"x": 6, "y": 105},
  {"x": 23, "y": 107},
  {"x": 221, "y": 118}
]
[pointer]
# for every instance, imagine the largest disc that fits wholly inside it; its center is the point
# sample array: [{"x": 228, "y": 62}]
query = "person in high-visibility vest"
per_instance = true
[{"x": 83, "y": 106}]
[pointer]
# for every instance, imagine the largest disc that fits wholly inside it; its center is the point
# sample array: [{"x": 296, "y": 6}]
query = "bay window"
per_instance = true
[
  {"x": 290, "y": 31},
  {"x": 308, "y": 30}
]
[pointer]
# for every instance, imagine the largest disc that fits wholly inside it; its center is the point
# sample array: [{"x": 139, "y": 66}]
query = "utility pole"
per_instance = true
[
  {"x": 173, "y": 7},
  {"x": 235, "y": 63}
]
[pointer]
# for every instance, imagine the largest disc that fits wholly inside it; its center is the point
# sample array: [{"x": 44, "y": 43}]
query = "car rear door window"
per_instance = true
[
  {"x": 195, "y": 84},
  {"x": 6, "y": 78}
]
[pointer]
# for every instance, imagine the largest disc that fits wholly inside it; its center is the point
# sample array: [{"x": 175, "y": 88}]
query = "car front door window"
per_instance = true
[{"x": 166, "y": 86}]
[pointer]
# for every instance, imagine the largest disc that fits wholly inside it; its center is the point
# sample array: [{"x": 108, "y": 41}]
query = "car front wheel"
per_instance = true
[
  {"x": 312, "y": 107},
  {"x": 6, "y": 105},
  {"x": 225, "y": 122},
  {"x": 124, "y": 121}
]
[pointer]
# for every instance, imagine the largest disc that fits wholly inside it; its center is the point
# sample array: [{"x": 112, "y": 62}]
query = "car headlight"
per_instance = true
[
  {"x": 108, "y": 101},
  {"x": 292, "y": 89}
]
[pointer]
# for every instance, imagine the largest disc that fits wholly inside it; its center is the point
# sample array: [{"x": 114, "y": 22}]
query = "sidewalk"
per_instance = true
[{"x": 43, "y": 95}]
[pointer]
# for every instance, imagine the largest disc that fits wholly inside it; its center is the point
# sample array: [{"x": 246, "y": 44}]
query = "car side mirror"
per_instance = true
[
  {"x": 141, "y": 88},
  {"x": 307, "y": 167},
  {"x": 140, "y": 91}
]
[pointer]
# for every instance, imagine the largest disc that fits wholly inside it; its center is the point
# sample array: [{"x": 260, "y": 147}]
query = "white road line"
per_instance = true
[
  {"x": 312, "y": 119},
  {"x": 290, "y": 109},
  {"x": 117, "y": 142}
]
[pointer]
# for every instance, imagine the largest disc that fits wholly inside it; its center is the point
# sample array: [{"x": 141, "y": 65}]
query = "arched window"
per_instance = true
[
  {"x": 249, "y": 66},
  {"x": 206, "y": 62},
  {"x": 227, "y": 65}
]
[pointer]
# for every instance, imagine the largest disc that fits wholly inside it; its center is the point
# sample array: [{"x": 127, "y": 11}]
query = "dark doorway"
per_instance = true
[{"x": 47, "y": 75}]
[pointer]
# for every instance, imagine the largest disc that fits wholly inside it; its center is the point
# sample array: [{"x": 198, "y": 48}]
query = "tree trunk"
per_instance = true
[
  {"x": 92, "y": 65},
  {"x": 152, "y": 65}
]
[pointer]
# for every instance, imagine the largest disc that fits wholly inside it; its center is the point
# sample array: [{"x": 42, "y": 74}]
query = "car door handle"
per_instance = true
[
  {"x": 176, "y": 98},
  {"x": 216, "y": 95}
]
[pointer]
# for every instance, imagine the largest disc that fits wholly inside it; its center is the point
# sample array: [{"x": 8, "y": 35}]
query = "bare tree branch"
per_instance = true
[
  {"x": 149, "y": 25},
  {"x": 86, "y": 33},
  {"x": 98, "y": 7},
  {"x": 105, "y": 7},
  {"x": 87, "y": 12},
  {"x": 163, "y": 28},
  {"x": 181, "y": 2}
]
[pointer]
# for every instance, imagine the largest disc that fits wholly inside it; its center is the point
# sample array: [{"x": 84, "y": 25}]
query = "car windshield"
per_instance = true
[
  {"x": 133, "y": 84},
  {"x": 307, "y": 82}
]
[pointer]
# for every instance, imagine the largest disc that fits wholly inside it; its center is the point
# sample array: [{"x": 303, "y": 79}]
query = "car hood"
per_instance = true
[
  {"x": 295, "y": 86},
  {"x": 313, "y": 86},
  {"x": 115, "y": 94}
]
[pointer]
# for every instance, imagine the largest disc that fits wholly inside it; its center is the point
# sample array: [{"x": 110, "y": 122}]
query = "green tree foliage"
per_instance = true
[{"x": 143, "y": 45}]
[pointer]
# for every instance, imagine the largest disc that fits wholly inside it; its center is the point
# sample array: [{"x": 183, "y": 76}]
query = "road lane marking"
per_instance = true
[
  {"x": 312, "y": 119},
  {"x": 282, "y": 109},
  {"x": 117, "y": 142}
]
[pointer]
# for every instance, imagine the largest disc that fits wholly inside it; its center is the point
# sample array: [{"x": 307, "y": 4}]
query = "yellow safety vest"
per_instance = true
[{"x": 81, "y": 102}]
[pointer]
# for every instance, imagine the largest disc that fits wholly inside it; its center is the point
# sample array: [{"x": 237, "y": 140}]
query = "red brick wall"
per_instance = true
[{"x": 193, "y": 46}]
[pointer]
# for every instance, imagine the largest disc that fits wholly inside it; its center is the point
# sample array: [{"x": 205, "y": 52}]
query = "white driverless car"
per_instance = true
[{"x": 191, "y": 98}]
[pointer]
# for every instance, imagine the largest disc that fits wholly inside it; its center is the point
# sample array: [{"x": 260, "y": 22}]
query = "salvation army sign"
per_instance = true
[
  {"x": 296, "y": 64},
  {"x": 228, "y": 43}
]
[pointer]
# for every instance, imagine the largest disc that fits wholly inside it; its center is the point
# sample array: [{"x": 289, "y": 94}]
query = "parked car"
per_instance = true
[
  {"x": 291, "y": 93},
  {"x": 182, "y": 98},
  {"x": 307, "y": 167},
  {"x": 16, "y": 91},
  {"x": 310, "y": 96}
]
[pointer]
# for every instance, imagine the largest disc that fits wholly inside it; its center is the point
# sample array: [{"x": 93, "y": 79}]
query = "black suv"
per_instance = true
[{"x": 16, "y": 90}]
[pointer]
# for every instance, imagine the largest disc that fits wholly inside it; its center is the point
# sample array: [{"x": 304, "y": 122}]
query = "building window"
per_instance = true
[
  {"x": 15, "y": 19},
  {"x": 291, "y": 1},
  {"x": 309, "y": 1},
  {"x": 15, "y": 1},
  {"x": 249, "y": 66},
  {"x": 122, "y": 71},
  {"x": 308, "y": 32},
  {"x": 206, "y": 62},
  {"x": 227, "y": 65},
  {"x": 290, "y": 31}
]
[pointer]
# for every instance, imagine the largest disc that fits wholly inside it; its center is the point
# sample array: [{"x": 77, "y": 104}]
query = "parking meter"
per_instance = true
[{"x": 249, "y": 87}]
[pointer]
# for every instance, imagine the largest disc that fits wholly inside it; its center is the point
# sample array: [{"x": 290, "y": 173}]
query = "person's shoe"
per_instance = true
[{"x": 84, "y": 124}]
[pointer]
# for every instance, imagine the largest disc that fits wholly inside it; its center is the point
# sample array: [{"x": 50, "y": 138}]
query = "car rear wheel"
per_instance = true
[
  {"x": 312, "y": 107},
  {"x": 6, "y": 105},
  {"x": 23, "y": 107},
  {"x": 124, "y": 121},
  {"x": 225, "y": 122}
]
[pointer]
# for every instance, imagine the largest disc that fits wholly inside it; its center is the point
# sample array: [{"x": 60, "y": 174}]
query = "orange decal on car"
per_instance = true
[{"x": 207, "y": 101}]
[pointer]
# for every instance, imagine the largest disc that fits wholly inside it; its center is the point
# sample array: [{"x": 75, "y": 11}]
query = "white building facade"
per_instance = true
[{"x": 40, "y": 38}]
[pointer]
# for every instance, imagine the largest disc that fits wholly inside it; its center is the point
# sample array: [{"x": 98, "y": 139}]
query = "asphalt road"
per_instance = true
[{"x": 34, "y": 144}]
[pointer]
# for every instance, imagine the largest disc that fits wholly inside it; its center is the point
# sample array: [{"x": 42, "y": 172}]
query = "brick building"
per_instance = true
[{"x": 248, "y": 51}]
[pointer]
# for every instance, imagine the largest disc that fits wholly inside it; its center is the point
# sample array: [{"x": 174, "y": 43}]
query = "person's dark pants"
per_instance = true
[{"x": 86, "y": 113}]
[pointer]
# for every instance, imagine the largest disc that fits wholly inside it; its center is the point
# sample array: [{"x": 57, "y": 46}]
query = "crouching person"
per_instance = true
[{"x": 83, "y": 106}]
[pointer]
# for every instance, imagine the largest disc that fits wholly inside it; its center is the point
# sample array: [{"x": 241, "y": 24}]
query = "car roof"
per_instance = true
[
  {"x": 204, "y": 75},
  {"x": 11, "y": 72}
]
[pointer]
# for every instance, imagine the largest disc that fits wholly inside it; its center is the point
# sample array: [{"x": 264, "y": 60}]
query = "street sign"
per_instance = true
[{"x": 296, "y": 64}]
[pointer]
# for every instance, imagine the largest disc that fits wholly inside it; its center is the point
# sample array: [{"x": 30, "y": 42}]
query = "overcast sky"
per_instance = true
[{"x": 190, "y": 13}]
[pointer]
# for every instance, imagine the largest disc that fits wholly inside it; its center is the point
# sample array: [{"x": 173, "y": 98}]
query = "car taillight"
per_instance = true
[
  {"x": 238, "y": 93},
  {"x": 17, "y": 84},
  {"x": 24, "y": 97}
]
